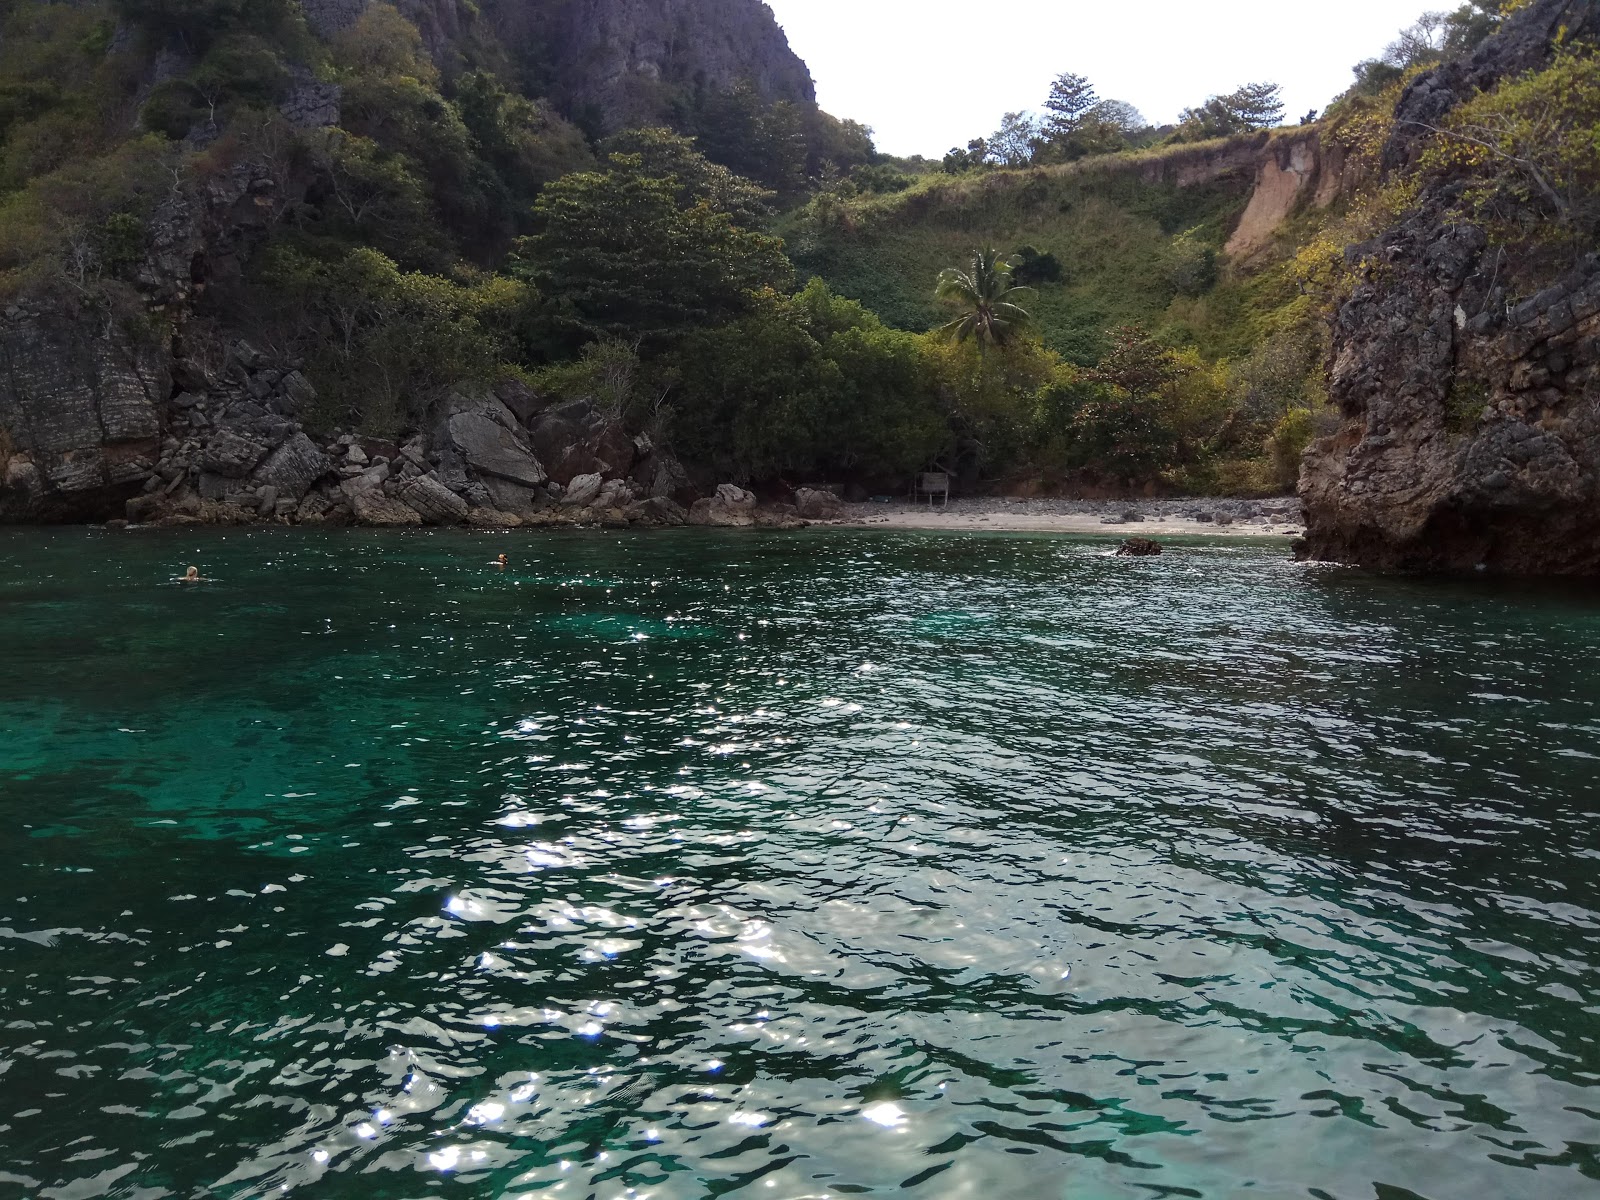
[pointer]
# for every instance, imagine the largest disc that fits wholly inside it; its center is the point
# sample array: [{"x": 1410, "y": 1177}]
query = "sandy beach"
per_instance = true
[{"x": 1118, "y": 518}]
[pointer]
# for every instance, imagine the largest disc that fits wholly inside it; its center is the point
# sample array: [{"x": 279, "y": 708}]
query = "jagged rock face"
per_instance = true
[
  {"x": 1472, "y": 418},
  {"x": 79, "y": 407},
  {"x": 624, "y": 59}
]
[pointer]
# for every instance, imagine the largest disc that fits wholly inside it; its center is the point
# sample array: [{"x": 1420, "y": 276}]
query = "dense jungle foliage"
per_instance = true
[{"x": 752, "y": 283}]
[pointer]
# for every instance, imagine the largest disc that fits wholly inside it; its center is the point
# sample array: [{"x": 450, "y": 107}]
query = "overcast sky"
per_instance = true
[{"x": 931, "y": 74}]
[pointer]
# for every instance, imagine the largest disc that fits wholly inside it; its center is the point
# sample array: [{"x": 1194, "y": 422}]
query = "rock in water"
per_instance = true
[
  {"x": 1139, "y": 548},
  {"x": 1472, "y": 429}
]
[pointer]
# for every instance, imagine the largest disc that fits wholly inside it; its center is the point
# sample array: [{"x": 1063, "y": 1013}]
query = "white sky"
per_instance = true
[{"x": 931, "y": 74}]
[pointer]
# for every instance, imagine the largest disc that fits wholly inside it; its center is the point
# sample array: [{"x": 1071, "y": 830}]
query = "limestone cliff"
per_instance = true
[
  {"x": 1471, "y": 429},
  {"x": 626, "y": 61}
]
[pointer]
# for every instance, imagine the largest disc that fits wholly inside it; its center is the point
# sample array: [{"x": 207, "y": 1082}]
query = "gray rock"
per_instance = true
[
  {"x": 617, "y": 493},
  {"x": 493, "y": 518},
  {"x": 583, "y": 491},
  {"x": 433, "y": 502},
  {"x": 267, "y": 501},
  {"x": 1460, "y": 445},
  {"x": 491, "y": 449},
  {"x": 356, "y": 456},
  {"x": 293, "y": 467},
  {"x": 732, "y": 507},
  {"x": 74, "y": 391},
  {"x": 812, "y": 504},
  {"x": 370, "y": 480},
  {"x": 504, "y": 495},
  {"x": 228, "y": 454},
  {"x": 372, "y": 507}
]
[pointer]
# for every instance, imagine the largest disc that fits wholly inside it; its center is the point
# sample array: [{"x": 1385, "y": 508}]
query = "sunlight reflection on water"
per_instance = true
[{"x": 829, "y": 865}]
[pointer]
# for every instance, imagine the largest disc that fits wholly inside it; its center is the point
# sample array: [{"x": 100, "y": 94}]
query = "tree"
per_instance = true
[
  {"x": 1072, "y": 98},
  {"x": 988, "y": 300},
  {"x": 1016, "y": 141},
  {"x": 382, "y": 346},
  {"x": 664, "y": 154},
  {"x": 761, "y": 141},
  {"x": 1254, "y": 106},
  {"x": 974, "y": 157},
  {"x": 1119, "y": 416},
  {"x": 619, "y": 254}
]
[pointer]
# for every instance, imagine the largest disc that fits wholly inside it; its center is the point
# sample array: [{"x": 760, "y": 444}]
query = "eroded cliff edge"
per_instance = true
[{"x": 1470, "y": 393}]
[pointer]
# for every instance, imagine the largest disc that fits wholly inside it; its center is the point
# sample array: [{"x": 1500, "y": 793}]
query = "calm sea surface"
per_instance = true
[{"x": 829, "y": 864}]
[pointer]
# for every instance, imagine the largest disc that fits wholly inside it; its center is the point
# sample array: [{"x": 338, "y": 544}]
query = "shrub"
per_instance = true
[{"x": 383, "y": 346}]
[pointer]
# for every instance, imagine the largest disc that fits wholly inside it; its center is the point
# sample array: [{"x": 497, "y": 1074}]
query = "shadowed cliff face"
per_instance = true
[
  {"x": 625, "y": 61},
  {"x": 1472, "y": 415}
]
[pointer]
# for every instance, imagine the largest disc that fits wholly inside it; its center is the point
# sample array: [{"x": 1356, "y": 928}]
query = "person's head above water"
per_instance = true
[
  {"x": 502, "y": 560},
  {"x": 192, "y": 573}
]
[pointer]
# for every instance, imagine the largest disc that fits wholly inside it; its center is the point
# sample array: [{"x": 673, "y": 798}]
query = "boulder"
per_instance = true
[
  {"x": 505, "y": 495},
  {"x": 143, "y": 509},
  {"x": 1139, "y": 548},
  {"x": 617, "y": 493},
  {"x": 615, "y": 448},
  {"x": 656, "y": 512},
  {"x": 293, "y": 467},
  {"x": 370, "y": 480},
  {"x": 433, "y": 502},
  {"x": 814, "y": 505},
  {"x": 583, "y": 491},
  {"x": 230, "y": 455},
  {"x": 492, "y": 518},
  {"x": 488, "y": 446},
  {"x": 732, "y": 507},
  {"x": 372, "y": 507},
  {"x": 312, "y": 509}
]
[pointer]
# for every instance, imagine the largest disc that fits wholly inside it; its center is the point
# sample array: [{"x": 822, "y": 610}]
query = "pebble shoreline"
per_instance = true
[{"x": 1278, "y": 517}]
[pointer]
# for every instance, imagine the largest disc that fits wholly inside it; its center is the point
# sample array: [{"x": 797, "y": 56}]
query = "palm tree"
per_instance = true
[{"x": 988, "y": 300}]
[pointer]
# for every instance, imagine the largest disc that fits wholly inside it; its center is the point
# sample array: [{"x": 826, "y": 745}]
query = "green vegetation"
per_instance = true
[
  {"x": 991, "y": 310},
  {"x": 750, "y": 283}
]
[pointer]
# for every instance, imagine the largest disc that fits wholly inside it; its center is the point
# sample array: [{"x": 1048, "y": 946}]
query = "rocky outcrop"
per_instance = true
[
  {"x": 1139, "y": 548},
  {"x": 1471, "y": 433},
  {"x": 1293, "y": 173},
  {"x": 80, "y": 412},
  {"x": 624, "y": 61},
  {"x": 484, "y": 436},
  {"x": 731, "y": 508},
  {"x": 815, "y": 505}
]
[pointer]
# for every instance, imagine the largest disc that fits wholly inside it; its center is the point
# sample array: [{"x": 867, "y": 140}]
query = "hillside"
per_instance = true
[
  {"x": 500, "y": 262},
  {"x": 1151, "y": 238}
]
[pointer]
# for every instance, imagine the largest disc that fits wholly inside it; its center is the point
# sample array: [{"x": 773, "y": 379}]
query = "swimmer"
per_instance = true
[
  {"x": 501, "y": 563},
  {"x": 192, "y": 575}
]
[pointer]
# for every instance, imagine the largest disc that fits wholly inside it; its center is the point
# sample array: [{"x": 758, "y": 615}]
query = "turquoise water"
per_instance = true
[{"x": 830, "y": 864}]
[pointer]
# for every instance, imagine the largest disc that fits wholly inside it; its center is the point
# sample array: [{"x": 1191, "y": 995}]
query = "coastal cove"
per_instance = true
[{"x": 844, "y": 861}]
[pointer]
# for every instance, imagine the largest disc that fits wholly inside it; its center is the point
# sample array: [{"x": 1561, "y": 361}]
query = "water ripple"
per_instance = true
[{"x": 828, "y": 865}]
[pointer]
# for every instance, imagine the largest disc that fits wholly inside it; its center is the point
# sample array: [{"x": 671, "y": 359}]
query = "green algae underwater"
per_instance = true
[{"x": 831, "y": 864}]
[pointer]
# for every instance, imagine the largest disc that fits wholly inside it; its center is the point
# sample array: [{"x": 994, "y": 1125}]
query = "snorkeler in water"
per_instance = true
[
  {"x": 192, "y": 575},
  {"x": 501, "y": 563}
]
